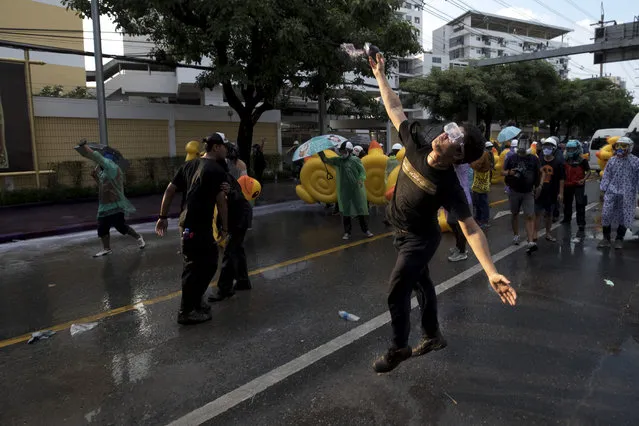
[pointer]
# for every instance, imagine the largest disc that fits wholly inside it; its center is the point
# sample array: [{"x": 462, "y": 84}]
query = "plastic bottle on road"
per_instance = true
[{"x": 348, "y": 317}]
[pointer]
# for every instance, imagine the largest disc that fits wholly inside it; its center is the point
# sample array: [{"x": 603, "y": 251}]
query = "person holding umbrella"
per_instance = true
[
  {"x": 351, "y": 194},
  {"x": 113, "y": 205}
]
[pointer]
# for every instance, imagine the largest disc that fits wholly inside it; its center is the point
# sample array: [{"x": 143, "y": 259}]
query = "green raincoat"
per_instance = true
[
  {"x": 351, "y": 193},
  {"x": 390, "y": 166},
  {"x": 111, "y": 185}
]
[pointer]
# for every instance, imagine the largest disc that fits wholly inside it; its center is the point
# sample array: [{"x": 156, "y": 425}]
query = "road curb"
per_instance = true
[{"x": 89, "y": 226}]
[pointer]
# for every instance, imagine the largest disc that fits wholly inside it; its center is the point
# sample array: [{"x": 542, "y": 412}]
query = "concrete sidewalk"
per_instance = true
[{"x": 42, "y": 220}]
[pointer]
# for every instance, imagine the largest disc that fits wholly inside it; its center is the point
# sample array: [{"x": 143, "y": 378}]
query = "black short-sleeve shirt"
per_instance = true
[
  {"x": 183, "y": 178},
  {"x": 421, "y": 189},
  {"x": 203, "y": 187}
]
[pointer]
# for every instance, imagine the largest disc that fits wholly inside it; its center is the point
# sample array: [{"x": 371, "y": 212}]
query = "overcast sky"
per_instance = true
[{"x": 575, "y": 14}]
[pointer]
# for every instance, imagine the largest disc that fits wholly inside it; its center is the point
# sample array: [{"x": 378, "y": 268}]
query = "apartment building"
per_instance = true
[{"x": 477, "y": 35}]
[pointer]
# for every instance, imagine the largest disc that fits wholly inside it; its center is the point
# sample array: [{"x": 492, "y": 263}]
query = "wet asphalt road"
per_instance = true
[{"x": 566, "y": 354}]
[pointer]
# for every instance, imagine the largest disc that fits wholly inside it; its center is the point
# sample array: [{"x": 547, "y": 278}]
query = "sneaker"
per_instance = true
[
  {"x": 193, "y": 317},
  {"x": 220, "y": 297},
  {"x": 141, "y": 243},
  {"x": 516, "y": 240},
  {"x": 205, "y": 307},
  {"x": 458, "y": 256},
  {"x": 391, "y": 359},
  {"x": 532, "y": 247},
  {"x": 551, "y": 238},
  {"x": 429, "y": 344},
  {"x": 346, "y": 236},
  {"x": 603, "y": 243},
  {"x": 618, "y": 244},
  {"x": 104, "y": 252},
  {"x": 243, "y": 285},
  {"x": 369, "y": 234}
]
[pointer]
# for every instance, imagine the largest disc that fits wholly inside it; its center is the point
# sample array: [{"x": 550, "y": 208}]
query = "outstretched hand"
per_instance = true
[
  {"x": 377, "y": 64},
  {"x": 502, "y": 287}
]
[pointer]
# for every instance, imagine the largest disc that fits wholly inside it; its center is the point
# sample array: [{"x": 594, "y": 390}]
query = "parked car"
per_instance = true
[{"x": 598, "y": 141}]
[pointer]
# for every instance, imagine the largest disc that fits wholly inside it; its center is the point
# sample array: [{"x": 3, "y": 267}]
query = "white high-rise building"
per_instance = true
[{"x": 476, "y": 35}]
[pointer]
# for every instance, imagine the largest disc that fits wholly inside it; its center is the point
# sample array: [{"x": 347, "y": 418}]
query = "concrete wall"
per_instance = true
[{"x": 65, "y": 70}]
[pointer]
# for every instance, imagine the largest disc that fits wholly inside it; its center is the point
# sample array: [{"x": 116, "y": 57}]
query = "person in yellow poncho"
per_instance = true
[
  {"x": 351, "y": 194},
  {"x": 481, "y": 186}
]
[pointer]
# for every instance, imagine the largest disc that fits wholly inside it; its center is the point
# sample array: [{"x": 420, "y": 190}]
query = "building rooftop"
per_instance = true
[{"x": 488, "y": 21}]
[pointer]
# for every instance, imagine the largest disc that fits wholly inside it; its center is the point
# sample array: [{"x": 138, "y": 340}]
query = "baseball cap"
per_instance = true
[
  {"x": 514, "y": 143},
  {"x": 214, "y": 139}
]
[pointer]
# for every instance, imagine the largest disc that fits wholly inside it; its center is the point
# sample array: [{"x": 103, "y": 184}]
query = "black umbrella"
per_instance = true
[{"x": 107, "y": 151}]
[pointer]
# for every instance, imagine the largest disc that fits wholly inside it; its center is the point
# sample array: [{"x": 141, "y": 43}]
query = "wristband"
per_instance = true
[{"x": 162, "y": 217}]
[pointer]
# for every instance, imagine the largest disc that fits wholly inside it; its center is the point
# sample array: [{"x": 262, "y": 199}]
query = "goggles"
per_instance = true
[
  {"x": 455, "y": 135},
  {"x": 620, "y": 146}
]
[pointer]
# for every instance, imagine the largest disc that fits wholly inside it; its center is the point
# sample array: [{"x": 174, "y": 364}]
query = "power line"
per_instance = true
[{"x": 576, "y": 6}]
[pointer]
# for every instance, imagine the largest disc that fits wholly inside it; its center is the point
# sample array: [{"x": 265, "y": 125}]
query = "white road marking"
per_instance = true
[
  {"x": 502, "y": 214},
  {"x": 265, "y": 381}
]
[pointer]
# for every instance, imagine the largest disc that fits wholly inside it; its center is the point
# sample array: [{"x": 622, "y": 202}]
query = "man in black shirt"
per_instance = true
[
  {"x": 427, "y": 181},
  {"x": 551, "y": 190},
  {"x": 234, "y": 267},
  {"x": 204, "y": 179}
]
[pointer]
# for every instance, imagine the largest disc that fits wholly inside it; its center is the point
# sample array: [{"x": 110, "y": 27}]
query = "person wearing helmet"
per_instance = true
[
  {"x": 619, "y": 184},
  {"x": 550, "y": 191},
  {"x": 392, "y": 159},
  {"x": 358, "y": 151},
  {"x": 351, "y": 194},
  {"x": 577, "y": 171},
  {"x": 522, "y": 176}
]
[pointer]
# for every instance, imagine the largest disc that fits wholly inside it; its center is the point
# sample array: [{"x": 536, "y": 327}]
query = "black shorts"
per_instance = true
[
  {"x": 113, "y": 221},
  {"x": 545, "y": 205}
]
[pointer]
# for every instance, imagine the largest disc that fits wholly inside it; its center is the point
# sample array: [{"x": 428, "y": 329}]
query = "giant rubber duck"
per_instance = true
[
  {"x": 375, "y": 165},
  {"x": 391, "y": 181},
  {"x": 606, "y": 152},
  {"x": 316, "y": 185}
]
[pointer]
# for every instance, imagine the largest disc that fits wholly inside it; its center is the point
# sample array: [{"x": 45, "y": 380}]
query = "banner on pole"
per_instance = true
[{"x": 16, "y": 153}]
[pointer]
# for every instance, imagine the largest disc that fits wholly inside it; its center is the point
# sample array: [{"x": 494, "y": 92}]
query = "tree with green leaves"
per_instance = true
[{"x": 259, "y": 47}]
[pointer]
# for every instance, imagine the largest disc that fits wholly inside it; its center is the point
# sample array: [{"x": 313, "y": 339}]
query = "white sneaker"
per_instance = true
[
  {"x": 458, "y": 256},
  {"x": 346, "y": 236},
  {"x": 369, "y": 234},
  {"x": 141, "y": 243},
  {"x": 516, "y": 240},
  {"x": 103, "y": 253}
]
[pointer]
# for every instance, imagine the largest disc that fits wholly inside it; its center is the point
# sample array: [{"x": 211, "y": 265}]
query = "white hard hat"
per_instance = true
[
  {"x": 397, "y": 146},
  {"x": 624, "y": 140},
  {"x": 296, "y": 143},
  {"x": 550, "y": 141},
  {"x": 346, "y": 145},
  {"x": 489, "y": 144},
  {"x": 514, "y": 143},
  {"x": 357, "y": 149}
]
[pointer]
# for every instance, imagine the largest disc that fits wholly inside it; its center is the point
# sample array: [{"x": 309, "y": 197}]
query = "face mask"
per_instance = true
[
  {"x": 547, "y": 152},
  {"x": 620, "y": 152}
]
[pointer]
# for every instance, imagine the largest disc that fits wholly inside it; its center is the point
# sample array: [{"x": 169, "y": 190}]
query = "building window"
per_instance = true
[
  {"x": 419, "y": 33},
  {"x": 417, "y": 20},
  {"x": 478, "y": 38},
  {"x": 408, "y": 18},
  {"x": 437, "y": 60},
  {"x": 437, "y": 67},
  {"x": 407, "y": 5},
  {"x": 479, "y": 51}
]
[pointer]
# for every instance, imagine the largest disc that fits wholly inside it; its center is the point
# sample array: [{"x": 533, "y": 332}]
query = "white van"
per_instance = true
[{"x": 598, "y": 141}]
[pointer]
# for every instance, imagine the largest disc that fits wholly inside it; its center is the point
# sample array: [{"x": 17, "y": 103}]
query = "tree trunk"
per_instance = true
[
  {"x": 245, "y": 138},
  {"x": 323, "y": 127}
]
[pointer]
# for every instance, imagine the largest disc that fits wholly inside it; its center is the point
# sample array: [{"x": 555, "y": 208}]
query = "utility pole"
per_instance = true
[
  {"x": 601, "y": 23},
  {"x": 99, "y": 75}
]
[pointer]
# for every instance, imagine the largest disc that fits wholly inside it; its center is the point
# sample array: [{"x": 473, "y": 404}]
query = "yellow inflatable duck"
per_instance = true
[
  {"x": 606, "y": 152},
  {"x": 315, "y": 186},
  {"x": 375, "y": 165},
  {"x": 390, "y": 189}
]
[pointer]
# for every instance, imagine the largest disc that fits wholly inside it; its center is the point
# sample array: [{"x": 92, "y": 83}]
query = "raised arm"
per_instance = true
[{"x": 392, "y": 103}]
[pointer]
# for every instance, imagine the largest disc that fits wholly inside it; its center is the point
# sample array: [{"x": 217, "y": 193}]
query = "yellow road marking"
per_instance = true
[{"x": 153, "y": 301}]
